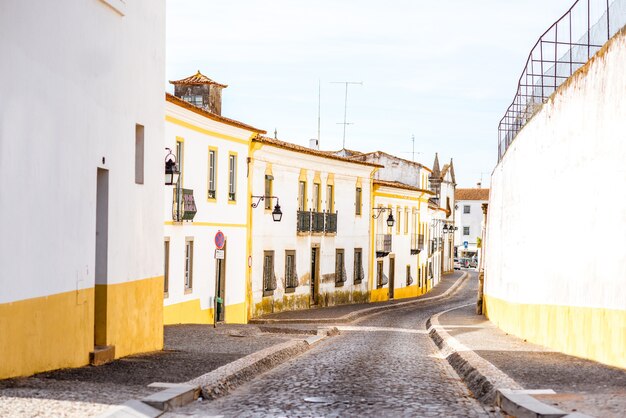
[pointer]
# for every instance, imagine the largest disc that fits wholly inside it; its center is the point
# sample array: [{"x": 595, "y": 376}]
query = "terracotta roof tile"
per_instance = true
[
  {"x": 197, "y": 79},
  {"x": 299, "y": 148},
  {"x": 180, "y": 102},
  {"x": 471, "y": 194},
  {"x": 399, "y": 185}
]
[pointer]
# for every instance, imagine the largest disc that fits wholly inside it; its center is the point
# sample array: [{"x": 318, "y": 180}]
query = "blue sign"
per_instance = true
[{"x": 465, "y": 244}]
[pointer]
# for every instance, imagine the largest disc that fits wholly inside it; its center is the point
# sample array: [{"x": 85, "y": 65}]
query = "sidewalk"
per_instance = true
[
  {"x": 581, "y": 386},
  {"x": 190, "y": 351},
  {"x": 348, "y": 312}
]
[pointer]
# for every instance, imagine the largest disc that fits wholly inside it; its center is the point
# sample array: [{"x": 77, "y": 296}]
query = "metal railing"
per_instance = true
[
  {"x": 383, "y": 244},
  {"x": 417, "y": 243},
  {"x": 317, "y": 222},
  {"x": 183, "y": 205},
  {"x": 566, "y": 46}
]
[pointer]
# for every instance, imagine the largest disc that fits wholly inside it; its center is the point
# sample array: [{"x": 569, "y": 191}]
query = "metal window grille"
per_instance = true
[
  {"x": 188, "y": 264},
  {"x": 232, "y": 177},
  {"x": 291, "y": 277},
  {"x": 359, "y": 198},
  {"x": 212, "y": 166}
]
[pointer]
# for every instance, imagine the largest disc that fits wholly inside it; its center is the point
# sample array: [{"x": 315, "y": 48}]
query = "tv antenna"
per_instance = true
[{"x": 345, "y": 107}]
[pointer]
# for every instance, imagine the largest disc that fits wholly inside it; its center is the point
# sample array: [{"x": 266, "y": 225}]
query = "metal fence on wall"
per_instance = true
[{"x": 566, "y": 46}]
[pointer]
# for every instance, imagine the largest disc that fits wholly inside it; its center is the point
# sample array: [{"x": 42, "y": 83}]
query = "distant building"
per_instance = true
[
  {"x": 443, "y": 185},
  {"x": 469, "y": 216}
]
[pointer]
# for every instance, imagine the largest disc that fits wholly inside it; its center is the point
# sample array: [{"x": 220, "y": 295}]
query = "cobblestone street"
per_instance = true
[{"x": 383, "y": 365}]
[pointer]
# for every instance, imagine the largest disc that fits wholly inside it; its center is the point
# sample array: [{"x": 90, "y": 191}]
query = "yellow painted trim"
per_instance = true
[
  {"x": 593, "y": 333},
  {"x": 330, "y": 180},
  {"x": 303, "y": 175},
  {"x": 317, "y": 178},
  {"x": 396, "y": 196},
  {"x": 180, "y": 139},
  {"x": 208, "y": 167},
  {"x": 268, "y": 169},
  {"x": 188, "y": 312},
  {"x": 170, "y": 223},
  {"x": 359, "y": 182},
  {"x": 406, "y": 292},
  {"x": 249, "y": 303},
  {"x": 198, "y": 129},
  {"x": 372, "y": 231}
]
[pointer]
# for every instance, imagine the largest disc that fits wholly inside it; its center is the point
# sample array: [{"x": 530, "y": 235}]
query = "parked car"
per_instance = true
[
  {"x": 465, "y": 262},
  {"x": 473, "y": 262},
  {"x": 457, "y": 264}
]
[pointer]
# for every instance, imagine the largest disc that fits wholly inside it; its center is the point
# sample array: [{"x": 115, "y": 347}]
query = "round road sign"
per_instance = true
[{"x": 219, "y": 240}]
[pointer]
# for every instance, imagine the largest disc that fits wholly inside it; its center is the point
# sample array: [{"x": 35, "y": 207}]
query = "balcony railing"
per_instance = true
[
  {"x": 417, "y": 243},
  {"x": 330, "y": 223},
  {"x": 183, "y": 205},
  {"x": 383, "y": 244},
  {"x": 316, "y": 222}
]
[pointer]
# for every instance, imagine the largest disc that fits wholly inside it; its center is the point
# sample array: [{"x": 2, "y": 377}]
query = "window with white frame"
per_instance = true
[{"x": 466, "y": 230}]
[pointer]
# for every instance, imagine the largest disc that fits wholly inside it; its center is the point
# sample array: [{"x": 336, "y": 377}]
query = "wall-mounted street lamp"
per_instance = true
[
  {"x": 390, "y": 220},
  {"x": 171, "y": 169},
  {"x": 277, "y": 214}
]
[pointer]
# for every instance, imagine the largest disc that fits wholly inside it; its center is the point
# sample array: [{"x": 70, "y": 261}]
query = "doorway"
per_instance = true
[
  {"x": 101, "y": 271},
  {"x": 315, "y": 253},
  {"x": 392, "y": 276},
  {"x": 220, "y": 287}
]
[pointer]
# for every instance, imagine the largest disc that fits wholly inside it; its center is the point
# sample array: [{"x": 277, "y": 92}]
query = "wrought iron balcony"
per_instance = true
[
  {"x": 417, "y": 243},
  {"x": 183, "y": 205},
  {"x": 330, "y": 223},
  {"x": 317, "y": 222},
  {"x": 383, "y": 244},
  {"x": 304, "y": 221}
]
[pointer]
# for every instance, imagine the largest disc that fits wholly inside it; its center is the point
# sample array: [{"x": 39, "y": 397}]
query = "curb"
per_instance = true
[
  {"x": 362, "y": 312},
  {"x": 219, "y": 381},
  {"x": 224, "y": 379},
  {"x": 489, "y": 384}
]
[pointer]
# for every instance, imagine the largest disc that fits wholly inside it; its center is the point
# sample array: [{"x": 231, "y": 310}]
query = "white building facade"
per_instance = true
[
  {"x": 81, "y": 171},
  {"x": 206, "y": 215},
  {"x": 469, "y": 217},
  {"x": 317, "y": 254}
]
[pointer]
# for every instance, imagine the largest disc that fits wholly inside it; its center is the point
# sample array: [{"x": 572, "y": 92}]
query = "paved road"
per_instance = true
[{"x": 385, "y": 365}]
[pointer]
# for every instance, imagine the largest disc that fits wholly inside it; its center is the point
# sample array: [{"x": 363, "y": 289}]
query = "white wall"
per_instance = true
[
  {"x": 352, "y": 230},
  {"x": 77, "y": 77},
  {"x": 557, "y": 211},
  {"x": 212, "y": 215},
  {"x": 472, "y": 219}
]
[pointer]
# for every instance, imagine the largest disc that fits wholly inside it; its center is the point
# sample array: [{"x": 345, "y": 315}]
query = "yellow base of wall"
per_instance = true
[
  {"x": 408, "y": 292},
  {"x": 57, "y": 331},
  {"x": 190, "y": 312},
  {"x": 591, "y": 333},
  {"x": 379, "y": 295}
]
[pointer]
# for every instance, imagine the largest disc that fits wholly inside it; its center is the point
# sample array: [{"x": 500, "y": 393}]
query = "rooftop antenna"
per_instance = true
[
  {"x": 413, "y": 151},
  {"x": 345, "y": 107},
  {"x": 319, "y": 108},
  {"x": 275, "y": 133}
]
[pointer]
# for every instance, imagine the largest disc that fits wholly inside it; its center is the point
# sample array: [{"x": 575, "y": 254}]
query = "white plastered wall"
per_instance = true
[
  {"x": 77, "y": 77},
  {"x": 557, "y": 210}
]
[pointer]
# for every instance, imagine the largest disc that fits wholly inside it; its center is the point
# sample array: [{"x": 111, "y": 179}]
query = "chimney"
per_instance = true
[
  {"x": 478, "y": 184},
  {"x": 314, "y": 144}
]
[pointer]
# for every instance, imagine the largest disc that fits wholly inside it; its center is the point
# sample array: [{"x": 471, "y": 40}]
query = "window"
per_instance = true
[
  {"x": 379, "y": 274},
  {"x": 466, "y": 208},
  {"x": 358, "y": 266},
  {"x": 316, "y": 197},
  {"x": 359, "y": 201},
  {"x": 194, "y": 99},
  {"x": 139, "y": 153},
  {"x": 212, "y": 173},
  {"x": 269, "y": 180},
  {"x": 166, "y": 268},
  {"x": 180, "y": 160},
  {"x": 232, "y": 177},
  {"x": 466, "y": 230},
  {"x": 291, "y": 278},
  {"x": 329, "y": 198},
  {"x": 188, "y": 264},
  {"x": 409, "y": 279},
  {"x": 302, "y": 196},
  {"x": 269, "y": 278},
  {"x": 406, "y": 221},
  {"x": 398, "y": 220},
  {"x": 340, "y": 267}
]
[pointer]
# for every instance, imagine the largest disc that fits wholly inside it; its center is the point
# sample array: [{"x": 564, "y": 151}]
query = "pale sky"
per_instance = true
[{"x": 444, "y": 71}]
